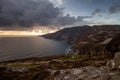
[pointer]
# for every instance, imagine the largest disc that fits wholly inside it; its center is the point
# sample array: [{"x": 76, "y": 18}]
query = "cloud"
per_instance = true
[
  {"x": 57, "y": 3},
  {"x": 31, "y": 12},
  {"x": 28, "y": 12},
  {"x": 115, "y": 8},
  {"x": 98, "y": 12}
]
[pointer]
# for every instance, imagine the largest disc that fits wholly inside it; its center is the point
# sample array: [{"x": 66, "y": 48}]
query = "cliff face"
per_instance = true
[
  {"x": 73, "y": 34},
  {"x": 93, "y": 40},
  {"x": 103, "y": 45},
  {"x": 85, "y": 33},
  {"x": 108, "y": 46},
  {"x": 114, "y": 45}
]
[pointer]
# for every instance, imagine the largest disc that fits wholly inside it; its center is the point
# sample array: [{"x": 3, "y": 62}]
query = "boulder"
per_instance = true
[
  {"x": 115, "y": 63},
  {"x": 56, "y": 61},
  {"x": 117, "y": 60},
  {"x": 111, "y": 64}
]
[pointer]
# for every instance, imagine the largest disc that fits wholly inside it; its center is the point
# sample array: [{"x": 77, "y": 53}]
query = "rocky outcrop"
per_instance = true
[
  {"x": 114, "y": 45},
  {"x": 89, "y": 48},
  {"x": 115, "y": 63},
  {"x": 108, "y": 72},
  {"x": 117, "y": 60},
  {"x": 67, "y": 67},
  {"x": 108, "y": 47},
  {"x": 85, "y": 73}
]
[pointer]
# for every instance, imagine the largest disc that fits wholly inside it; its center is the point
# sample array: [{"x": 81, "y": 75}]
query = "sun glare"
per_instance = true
[{"x": 24, "y": 33}]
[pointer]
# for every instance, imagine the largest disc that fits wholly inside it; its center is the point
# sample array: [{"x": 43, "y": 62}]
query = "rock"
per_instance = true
[
  {"x": 116, "y": 77},
  {"x": 106, "y": 41},
  {"x": 86, "y": 73},
  {"x": 110, "y": 64},
  {"x": 3, "y": 69},
  {"x": 115, "y": 63},
  {"x": 117, "y": 60},
  {"x": 17, "y": 69},
  {"x": 114, "y": 45},
  {"x": 56, "y": 61}
]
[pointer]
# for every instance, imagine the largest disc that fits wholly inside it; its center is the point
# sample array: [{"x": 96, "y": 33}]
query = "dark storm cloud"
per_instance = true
[
  {"x": 31, "y": 12},
  {"x": 98, "y": 12},
  {"x": 27, "y": 12},
  {"x": 71, "y": 20},
  {"x": 83, "y": 17},
  {"x": 115, "y": 8}
]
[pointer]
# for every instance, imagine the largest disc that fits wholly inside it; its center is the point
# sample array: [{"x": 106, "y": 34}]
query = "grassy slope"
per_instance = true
[{"x": 37, "y": 68}]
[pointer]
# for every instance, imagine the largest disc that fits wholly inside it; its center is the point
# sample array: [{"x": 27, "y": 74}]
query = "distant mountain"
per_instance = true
[
  {"x": 72, "y": 34},
  {"x": 84, "y": 33},
  {"x": 90, "y": 39}
]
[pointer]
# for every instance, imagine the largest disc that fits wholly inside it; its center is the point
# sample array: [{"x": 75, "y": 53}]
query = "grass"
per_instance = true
[
  {"x": 38, "y": 67},
  {"x": 68, "y": 61},
  {"x": 74, "y": 57}
]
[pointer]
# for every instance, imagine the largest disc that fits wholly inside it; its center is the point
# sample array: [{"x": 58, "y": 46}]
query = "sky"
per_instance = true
[
  {"x": 101, "y": 11},
  {"x": 26, "y": 14}
]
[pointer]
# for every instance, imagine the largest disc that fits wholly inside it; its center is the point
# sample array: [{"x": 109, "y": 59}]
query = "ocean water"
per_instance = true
[{"x": 12, "y": 48}]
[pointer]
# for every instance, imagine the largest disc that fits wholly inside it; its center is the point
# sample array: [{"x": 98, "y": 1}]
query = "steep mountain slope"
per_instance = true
[
  {"x": 84, "y": 33},
  {"x": 93, "y": 40},
  {"x": 72, "y": 34},
  {"x": 98, "y": 48},
  {"x": 114, "y": 45}
]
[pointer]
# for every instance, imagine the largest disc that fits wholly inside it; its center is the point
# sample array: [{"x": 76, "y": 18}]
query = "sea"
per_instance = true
[{"x": 12, "y": 48}]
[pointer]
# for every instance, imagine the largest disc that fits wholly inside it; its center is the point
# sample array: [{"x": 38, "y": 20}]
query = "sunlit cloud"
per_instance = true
[
  {"x": 24, "y": 33},
  {"x": 37, "y": 30},
  {"x": 57, "y": 3}
]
